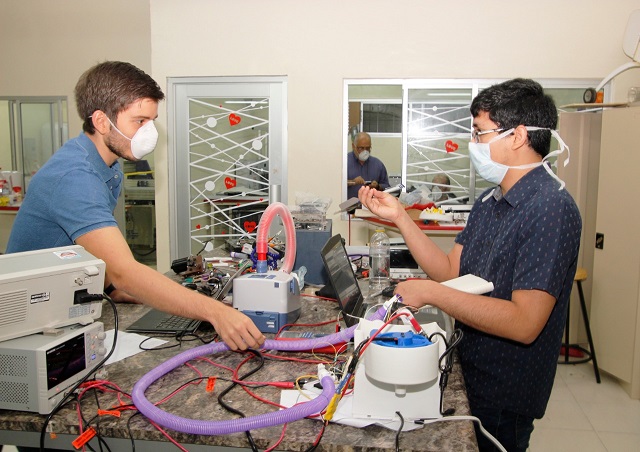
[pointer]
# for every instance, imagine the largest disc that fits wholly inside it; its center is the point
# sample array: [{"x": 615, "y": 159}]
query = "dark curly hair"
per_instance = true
[
  {"x": 111, "y": 87},
  {"x": 519, "y": 102}
]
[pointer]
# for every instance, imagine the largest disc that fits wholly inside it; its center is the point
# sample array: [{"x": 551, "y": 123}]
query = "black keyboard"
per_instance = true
[
  {"x": 175, "y": 322},
  {"x": 156, "y": 321}
]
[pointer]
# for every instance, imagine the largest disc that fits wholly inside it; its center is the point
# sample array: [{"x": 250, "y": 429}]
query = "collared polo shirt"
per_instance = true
[
  {"x": 527, "y": 239},
  {"x": 74, "y": 192}
]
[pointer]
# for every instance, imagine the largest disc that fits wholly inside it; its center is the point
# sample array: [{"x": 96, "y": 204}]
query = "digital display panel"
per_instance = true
[
  {"x": 65, "y": 360},
  {"x": 402, "y": 258},
  {"x": 343, "y": 280}
]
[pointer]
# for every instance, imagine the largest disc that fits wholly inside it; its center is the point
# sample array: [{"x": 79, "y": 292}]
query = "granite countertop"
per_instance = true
[{"x": 196, "y": 403}]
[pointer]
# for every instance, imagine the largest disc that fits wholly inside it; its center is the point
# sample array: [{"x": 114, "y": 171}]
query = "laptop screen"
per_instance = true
[{"x": 343, "y": 279}]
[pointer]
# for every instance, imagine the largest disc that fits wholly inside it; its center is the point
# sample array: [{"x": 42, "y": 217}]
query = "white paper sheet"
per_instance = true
[
  {"x": 342, "y": 415},
  {"x": 128, "y": 345}
]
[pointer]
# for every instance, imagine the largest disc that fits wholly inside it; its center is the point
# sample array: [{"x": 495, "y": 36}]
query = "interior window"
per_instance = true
[{"x": 420, "y": 128}]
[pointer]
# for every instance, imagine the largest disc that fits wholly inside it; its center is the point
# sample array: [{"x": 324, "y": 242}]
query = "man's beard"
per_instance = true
[{"x": 116, "y": 146}]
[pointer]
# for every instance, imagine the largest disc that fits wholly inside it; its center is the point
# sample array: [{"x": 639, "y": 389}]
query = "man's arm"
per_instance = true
[
  {"x": 356, "y": 181},
  {"x": 383, "y": 180},
  {"x": 154, "y": 289},
  {"x": 435, "y": 262},
  {"x": 521, "y": 319}
]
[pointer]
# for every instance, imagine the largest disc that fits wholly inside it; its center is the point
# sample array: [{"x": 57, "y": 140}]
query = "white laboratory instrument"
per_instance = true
[
  {"x": 396, "y": 377},
  {"x": 270, "y": 299},
  {"x": 37, "y": 369},
  {"x": 49, "y": 288}
]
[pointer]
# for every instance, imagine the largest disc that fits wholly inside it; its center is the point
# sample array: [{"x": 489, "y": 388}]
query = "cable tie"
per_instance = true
[
  {"x": 83, "y": 439},
  {"x": 114, "y": 413}
]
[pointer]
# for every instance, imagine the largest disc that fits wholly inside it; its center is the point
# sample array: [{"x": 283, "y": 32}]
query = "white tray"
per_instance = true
[{"x": 439, "y": 217}]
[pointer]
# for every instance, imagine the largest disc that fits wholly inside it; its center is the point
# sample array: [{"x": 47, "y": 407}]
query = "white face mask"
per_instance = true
[
  {"x": 436, "y": 193},
  {"x": 363, "y": 156},
  {"x": 480, "y": 155},
  {"x": 144, "y": 140}
]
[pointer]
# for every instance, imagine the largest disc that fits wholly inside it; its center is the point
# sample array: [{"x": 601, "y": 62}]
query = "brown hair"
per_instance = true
[{"x": 111, "y": 87}]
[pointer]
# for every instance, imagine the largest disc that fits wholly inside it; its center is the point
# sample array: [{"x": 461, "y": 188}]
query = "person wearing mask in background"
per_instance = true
[
  {"x": 441, "y": 188},
  {"x": 71, "y": 199},
  {"x": 523, "y": 236},
  {"x": 363, "y": 168}
]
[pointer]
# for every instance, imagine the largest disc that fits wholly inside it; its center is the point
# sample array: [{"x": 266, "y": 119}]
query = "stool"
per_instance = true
[{"x": 581, "y": 275}]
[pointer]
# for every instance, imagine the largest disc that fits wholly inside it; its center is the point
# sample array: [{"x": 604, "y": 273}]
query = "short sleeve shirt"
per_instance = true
[
  {"x": 74, "y": 192},
  {"x": 527, "y": 239}
]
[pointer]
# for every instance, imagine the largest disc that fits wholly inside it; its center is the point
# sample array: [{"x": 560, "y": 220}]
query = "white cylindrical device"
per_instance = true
[{"x": 403, "y": 363}]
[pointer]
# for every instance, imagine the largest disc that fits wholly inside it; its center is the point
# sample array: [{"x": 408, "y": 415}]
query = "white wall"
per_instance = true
[
  {"x": 319, "y": 43},
  {"x": 46, "y": 45}
]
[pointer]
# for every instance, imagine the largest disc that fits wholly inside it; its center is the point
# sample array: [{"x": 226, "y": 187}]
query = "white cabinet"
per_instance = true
[
  {"x": 603, "y": 179},
  {"x": 615, "y": 312},
  {"x": 582, "y": 133}
]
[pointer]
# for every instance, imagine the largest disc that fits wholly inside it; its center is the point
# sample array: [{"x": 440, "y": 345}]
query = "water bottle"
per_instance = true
[{"x": 379, "y": 261}]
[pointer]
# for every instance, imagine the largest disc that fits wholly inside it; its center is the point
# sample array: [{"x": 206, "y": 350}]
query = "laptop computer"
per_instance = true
[
  {"x": 159, "y": 322},
  {"x": 343, "y": 279},
  {"x": 353, "y": 304}
]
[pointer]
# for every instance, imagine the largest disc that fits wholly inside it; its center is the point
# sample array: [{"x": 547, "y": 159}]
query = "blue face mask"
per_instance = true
[{"x": 480, "y": 155}]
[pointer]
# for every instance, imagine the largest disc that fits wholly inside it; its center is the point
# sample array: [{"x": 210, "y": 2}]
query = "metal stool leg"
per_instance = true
[
  {"x": 588, "y": 328},
  {"x": 590, "y": 355}
]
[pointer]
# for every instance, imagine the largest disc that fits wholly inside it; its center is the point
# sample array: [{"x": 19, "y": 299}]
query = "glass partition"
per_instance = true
[
  {"x": 227, "y": 158},
  {"x": 33, "y": 128},
  {"x": 430, "y": 138},
  {"x": 438, "y": 127}
]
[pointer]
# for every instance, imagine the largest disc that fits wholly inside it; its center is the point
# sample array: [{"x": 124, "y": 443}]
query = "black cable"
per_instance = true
[
  {"x": 314, "y": 446},
  {"x": 133, "y": 442},
  {"x": 233, "y": 385},
  {"x": 72, "y": 391},
  {"x": 399, "y": 431},
  {"x": 95, "y": 394},
  {"x": 447, "y": 367},
  {"x": 204, "y": 245},
  {"x": 95, "y": 418},
  {"x": 164, "y": 347}
]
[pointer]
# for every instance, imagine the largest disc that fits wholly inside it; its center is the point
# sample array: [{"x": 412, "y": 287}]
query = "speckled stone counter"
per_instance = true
[{"x": 195, "y": 403}]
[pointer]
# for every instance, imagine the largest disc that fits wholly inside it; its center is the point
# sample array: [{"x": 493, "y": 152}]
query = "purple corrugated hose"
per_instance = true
[{"x": 199, "y": 427}]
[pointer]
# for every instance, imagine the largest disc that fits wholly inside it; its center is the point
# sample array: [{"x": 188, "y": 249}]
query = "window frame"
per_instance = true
[{"x": 476, "y": 85}]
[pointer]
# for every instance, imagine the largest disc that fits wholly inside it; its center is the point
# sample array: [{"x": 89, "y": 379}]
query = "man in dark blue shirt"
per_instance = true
[
  {"x": 523, "y": 236},
  {"x": 363, "y": 168}
]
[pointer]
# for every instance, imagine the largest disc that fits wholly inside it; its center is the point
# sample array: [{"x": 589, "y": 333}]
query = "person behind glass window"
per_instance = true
[
  {"x": 441, "y": 188},
  {"x": 363, "y": 168}
]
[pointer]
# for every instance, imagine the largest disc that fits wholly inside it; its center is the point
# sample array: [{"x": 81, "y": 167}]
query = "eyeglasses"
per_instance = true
[
  {"x": 360, "y": 148},
  {"x": 475, "y": 134}
]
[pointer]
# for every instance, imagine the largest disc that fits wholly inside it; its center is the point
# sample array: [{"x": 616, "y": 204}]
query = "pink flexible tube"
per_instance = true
[
  {"x": 199, "y": 427},
  {"x": 262, "y": 241}
]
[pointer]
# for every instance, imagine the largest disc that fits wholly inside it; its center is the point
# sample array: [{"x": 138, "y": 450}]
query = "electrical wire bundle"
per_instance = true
[{"x": 324, "y": 405}]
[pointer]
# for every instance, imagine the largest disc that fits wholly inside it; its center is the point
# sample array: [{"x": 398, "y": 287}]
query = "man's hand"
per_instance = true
[
  {"x": 413, "y": 292},
  {"x": 236, "y": 329},
  {"x": 380, "y": 203},
  {"x": 374, "y": 184}
]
